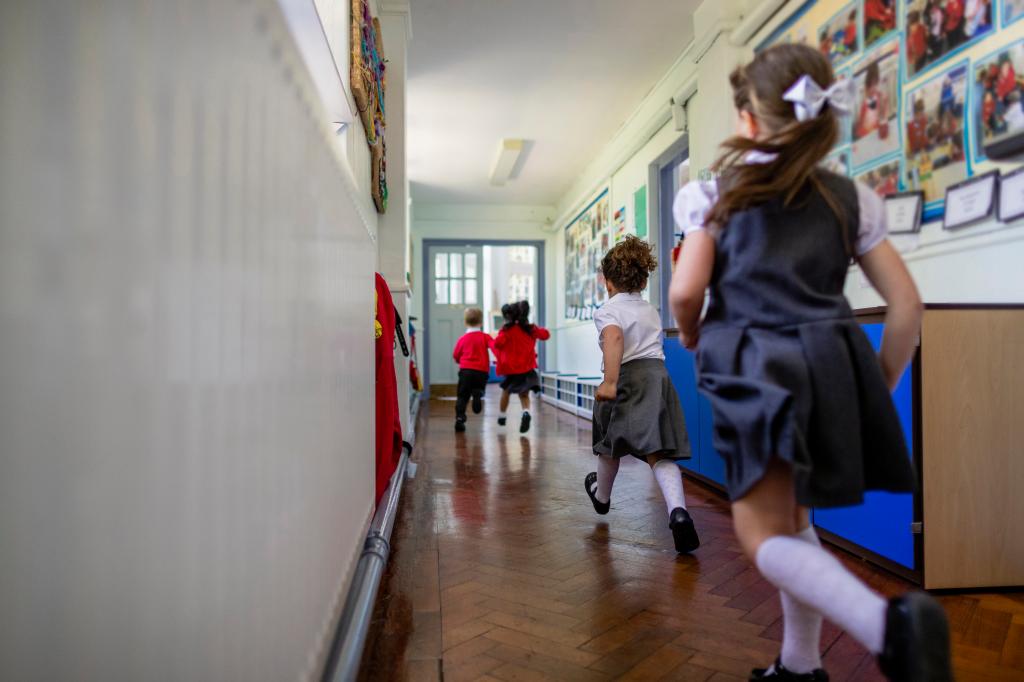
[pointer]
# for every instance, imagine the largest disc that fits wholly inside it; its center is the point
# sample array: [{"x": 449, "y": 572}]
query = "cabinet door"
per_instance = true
[{"x": 882, "y": 523}]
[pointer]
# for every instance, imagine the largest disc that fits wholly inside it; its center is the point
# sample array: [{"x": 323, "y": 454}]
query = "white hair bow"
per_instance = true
[{"x": 809, "y": 98}]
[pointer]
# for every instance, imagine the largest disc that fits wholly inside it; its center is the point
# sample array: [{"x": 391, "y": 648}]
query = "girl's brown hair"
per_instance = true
[
  {"x": 797, "y": 146},
  {"x": 628, "y": 264}
]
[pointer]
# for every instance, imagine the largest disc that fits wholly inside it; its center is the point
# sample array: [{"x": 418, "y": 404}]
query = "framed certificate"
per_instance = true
[
  {"x": 971, "y": 201},
  {"x": 903, "y": 212},
  {"x": 1011, "y": 196}
]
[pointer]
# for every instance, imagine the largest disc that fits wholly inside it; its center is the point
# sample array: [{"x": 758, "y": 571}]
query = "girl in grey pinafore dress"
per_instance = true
[
  {"x": 637, "y": 411},
  {"x": 801, "y": 405}
]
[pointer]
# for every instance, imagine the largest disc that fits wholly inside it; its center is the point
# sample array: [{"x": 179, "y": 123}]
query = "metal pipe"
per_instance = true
[{"x": 353, "y": 627}]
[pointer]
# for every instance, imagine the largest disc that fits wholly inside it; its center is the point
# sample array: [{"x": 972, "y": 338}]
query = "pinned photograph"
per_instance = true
[
  {"x": 879, "y": 20},
  {"x": 998, "y": 97},
  {"x": 883, "y": 179},
  {"x": 935, "y": 29},
  {"x": 839, "y": 39},
  {"x": 934, "y": 140},
  {"x": 875, "y": 127}
]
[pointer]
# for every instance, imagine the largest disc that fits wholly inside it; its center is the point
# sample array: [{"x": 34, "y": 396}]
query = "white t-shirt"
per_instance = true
[
  {"x": 695, "y": 199},
  {"x": 640, "y": 324}
]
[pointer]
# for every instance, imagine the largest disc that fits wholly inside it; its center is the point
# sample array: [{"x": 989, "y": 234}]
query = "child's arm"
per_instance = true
[
  {"x": 888, "y": 274},
  {"x": 611, "y": 338},
  {"x": 457, "y": 352},
  {"x": 499, "y": 340},
  {"x": 540, "y": 333},
  {"x": 689, "y": 281}
]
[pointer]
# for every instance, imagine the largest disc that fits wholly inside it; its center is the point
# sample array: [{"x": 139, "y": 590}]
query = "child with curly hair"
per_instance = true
[{"x": 637, "y": 410}]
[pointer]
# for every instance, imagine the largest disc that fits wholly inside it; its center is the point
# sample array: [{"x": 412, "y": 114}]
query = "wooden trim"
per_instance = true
[{"x": 972, "y": 389}]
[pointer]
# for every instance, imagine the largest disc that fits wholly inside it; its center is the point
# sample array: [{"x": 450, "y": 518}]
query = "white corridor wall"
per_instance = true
[{"x": 186, "y": 316}]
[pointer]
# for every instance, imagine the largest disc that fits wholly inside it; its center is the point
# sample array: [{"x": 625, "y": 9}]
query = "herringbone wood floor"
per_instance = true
[{"x": 502, "y": 571}]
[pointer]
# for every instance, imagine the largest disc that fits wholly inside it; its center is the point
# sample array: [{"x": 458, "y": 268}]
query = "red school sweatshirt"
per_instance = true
[
  {"x": 516, "y": 350},
  {"x": 471, "y": 351}
]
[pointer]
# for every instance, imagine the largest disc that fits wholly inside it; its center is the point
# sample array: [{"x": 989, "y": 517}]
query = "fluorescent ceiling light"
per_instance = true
[{"x": 508, "y": 154}]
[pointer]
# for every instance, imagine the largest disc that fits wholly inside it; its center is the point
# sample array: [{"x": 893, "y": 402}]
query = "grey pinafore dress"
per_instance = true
[
  {"x": 786, "y": 367},
  {"x": 646, "y": 417}
]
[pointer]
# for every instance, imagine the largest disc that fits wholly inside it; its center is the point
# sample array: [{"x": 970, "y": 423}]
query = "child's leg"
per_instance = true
[
  {"x": 765, "y": 521},
  {"x": 607, "y": 470},
  {"x": 503, "y": 406},
  {"x": 670, "y": 480},
  {"x": 524, "y": 422},
  {"x": 801, "y": 633},
  {"x": 461, "y": 398}
]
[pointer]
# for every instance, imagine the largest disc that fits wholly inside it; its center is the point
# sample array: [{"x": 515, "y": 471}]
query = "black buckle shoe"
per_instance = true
[
  {"x": 460, "y": 425},
  {"x": 916, "y": 645},
  {"x": 779, "y": 672},
  {"x": 501, "y": 421},
  {"x": 524, "y": 424},
  {"x": 590, "y": 483},
  {"x": 478, "y": 404},
  {"x": 684, "y": 533}
]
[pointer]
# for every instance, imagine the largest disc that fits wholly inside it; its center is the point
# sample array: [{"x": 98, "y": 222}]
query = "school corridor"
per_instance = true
[
  {"x": 501, "y": 570},
  {"x": 256, "y": 256}
]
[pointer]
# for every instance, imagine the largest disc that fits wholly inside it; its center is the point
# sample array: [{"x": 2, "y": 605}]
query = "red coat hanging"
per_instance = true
[{"x": 389, "y": 428}]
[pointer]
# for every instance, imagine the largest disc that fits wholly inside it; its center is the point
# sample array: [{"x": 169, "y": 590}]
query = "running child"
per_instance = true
[
  {"x": 516, "y": 351},
  {"x": 801, "y": 405},
  {"x": 637, "y": 410},
  {"x": 472, "y": 354}
]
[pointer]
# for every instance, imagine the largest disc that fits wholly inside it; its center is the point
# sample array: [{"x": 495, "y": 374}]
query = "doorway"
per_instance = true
[{"x": 483, "y": 274}]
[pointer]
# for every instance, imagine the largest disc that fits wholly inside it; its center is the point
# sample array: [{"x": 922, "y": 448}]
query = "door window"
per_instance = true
[{"x": 455, "y": 279}]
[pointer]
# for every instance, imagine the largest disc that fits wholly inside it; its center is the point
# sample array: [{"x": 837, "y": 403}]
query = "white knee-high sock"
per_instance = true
[
  {"x": 670, "y": 480},
  {"x": 607, "y": 468},
  {"x": 801, "y": 634},
  {"x": 816, "y": 579}
]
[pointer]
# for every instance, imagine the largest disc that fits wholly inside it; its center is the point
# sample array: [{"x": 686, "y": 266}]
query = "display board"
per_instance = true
[
  {"x": 587, "y": 238},
  {"x": 936, "y": 81}
]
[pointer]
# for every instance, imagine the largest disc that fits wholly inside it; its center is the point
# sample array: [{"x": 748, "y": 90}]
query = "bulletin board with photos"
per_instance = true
[
  {"x": 587, "y": 238},
  {"x": 937, "y": 80}
]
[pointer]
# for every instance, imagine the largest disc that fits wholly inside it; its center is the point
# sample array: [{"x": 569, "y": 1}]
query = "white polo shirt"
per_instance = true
[{"x": 640, "y": 323}]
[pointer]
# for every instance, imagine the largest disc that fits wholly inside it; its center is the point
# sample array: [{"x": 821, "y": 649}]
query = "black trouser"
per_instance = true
[{"x": 472, "y": 383}]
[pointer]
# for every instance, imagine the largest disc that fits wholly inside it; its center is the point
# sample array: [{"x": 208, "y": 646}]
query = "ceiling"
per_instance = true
[{"x": 562, "y": 74}]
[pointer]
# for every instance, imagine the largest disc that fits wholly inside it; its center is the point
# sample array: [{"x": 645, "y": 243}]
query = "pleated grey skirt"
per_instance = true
[
  {"x": 645, "y": 418},
  {"x": 812, "y": 395}
]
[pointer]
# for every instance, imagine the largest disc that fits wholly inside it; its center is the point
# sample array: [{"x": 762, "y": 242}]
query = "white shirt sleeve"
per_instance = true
[
  {"x": 692, "y": 204},
  {"x": 604, "y": 316},
  {"x": 873, "y": 228}
]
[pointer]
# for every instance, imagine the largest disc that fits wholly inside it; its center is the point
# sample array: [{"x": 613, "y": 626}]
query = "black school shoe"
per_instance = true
[
  {"x": 478, "y": 404},
  {"x": 460, "y": 425},
  {"x": 590, "y": 483},
  {"x": 778, "y": 672},
  {"x": 683, "y": 531},
  {"x": 501, "y": 421},
  {"x": 524, "y": 423},
  {"x": 916, "y": 645}
]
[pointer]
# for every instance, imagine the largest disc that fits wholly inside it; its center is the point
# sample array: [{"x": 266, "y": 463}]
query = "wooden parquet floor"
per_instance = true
[{"x": 501, "y": 571}]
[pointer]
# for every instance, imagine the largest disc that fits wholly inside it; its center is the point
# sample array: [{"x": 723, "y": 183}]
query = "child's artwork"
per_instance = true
[
  {"x": 875, "y": 124},
  {"x": 883, "y": 179},
  {"x": 879, "y": 20},
  {"x": 620, "y": 224},
  {"x": 936, "y": 28},
  {"x": 368, "y": 84},
  {"x": 934, "y": 155},
  {"x": 838, "y": 162},
  {"x": 1012, "y": 11},
  {"x": 997, "y": 107},
  {"x": 839, "y": 38},
  {"x": 586, "y": 240}
]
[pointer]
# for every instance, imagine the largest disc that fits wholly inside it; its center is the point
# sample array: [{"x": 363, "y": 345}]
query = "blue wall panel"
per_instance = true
[
  {"x": 882, "y": 523},
  {"x": 681, "y": 370}
]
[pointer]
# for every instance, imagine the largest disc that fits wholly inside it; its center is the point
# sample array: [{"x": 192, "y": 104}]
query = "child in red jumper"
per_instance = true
[
  {"x": 471, "y": 352},
  {"x": 516, "y": 350}
]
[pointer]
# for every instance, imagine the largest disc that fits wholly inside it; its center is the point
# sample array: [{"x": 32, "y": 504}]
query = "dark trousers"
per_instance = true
[{"x": 471, "y": 383}]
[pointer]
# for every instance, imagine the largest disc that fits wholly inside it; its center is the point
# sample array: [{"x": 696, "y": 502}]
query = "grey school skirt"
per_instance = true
[{"x": 645, "y": 418}]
